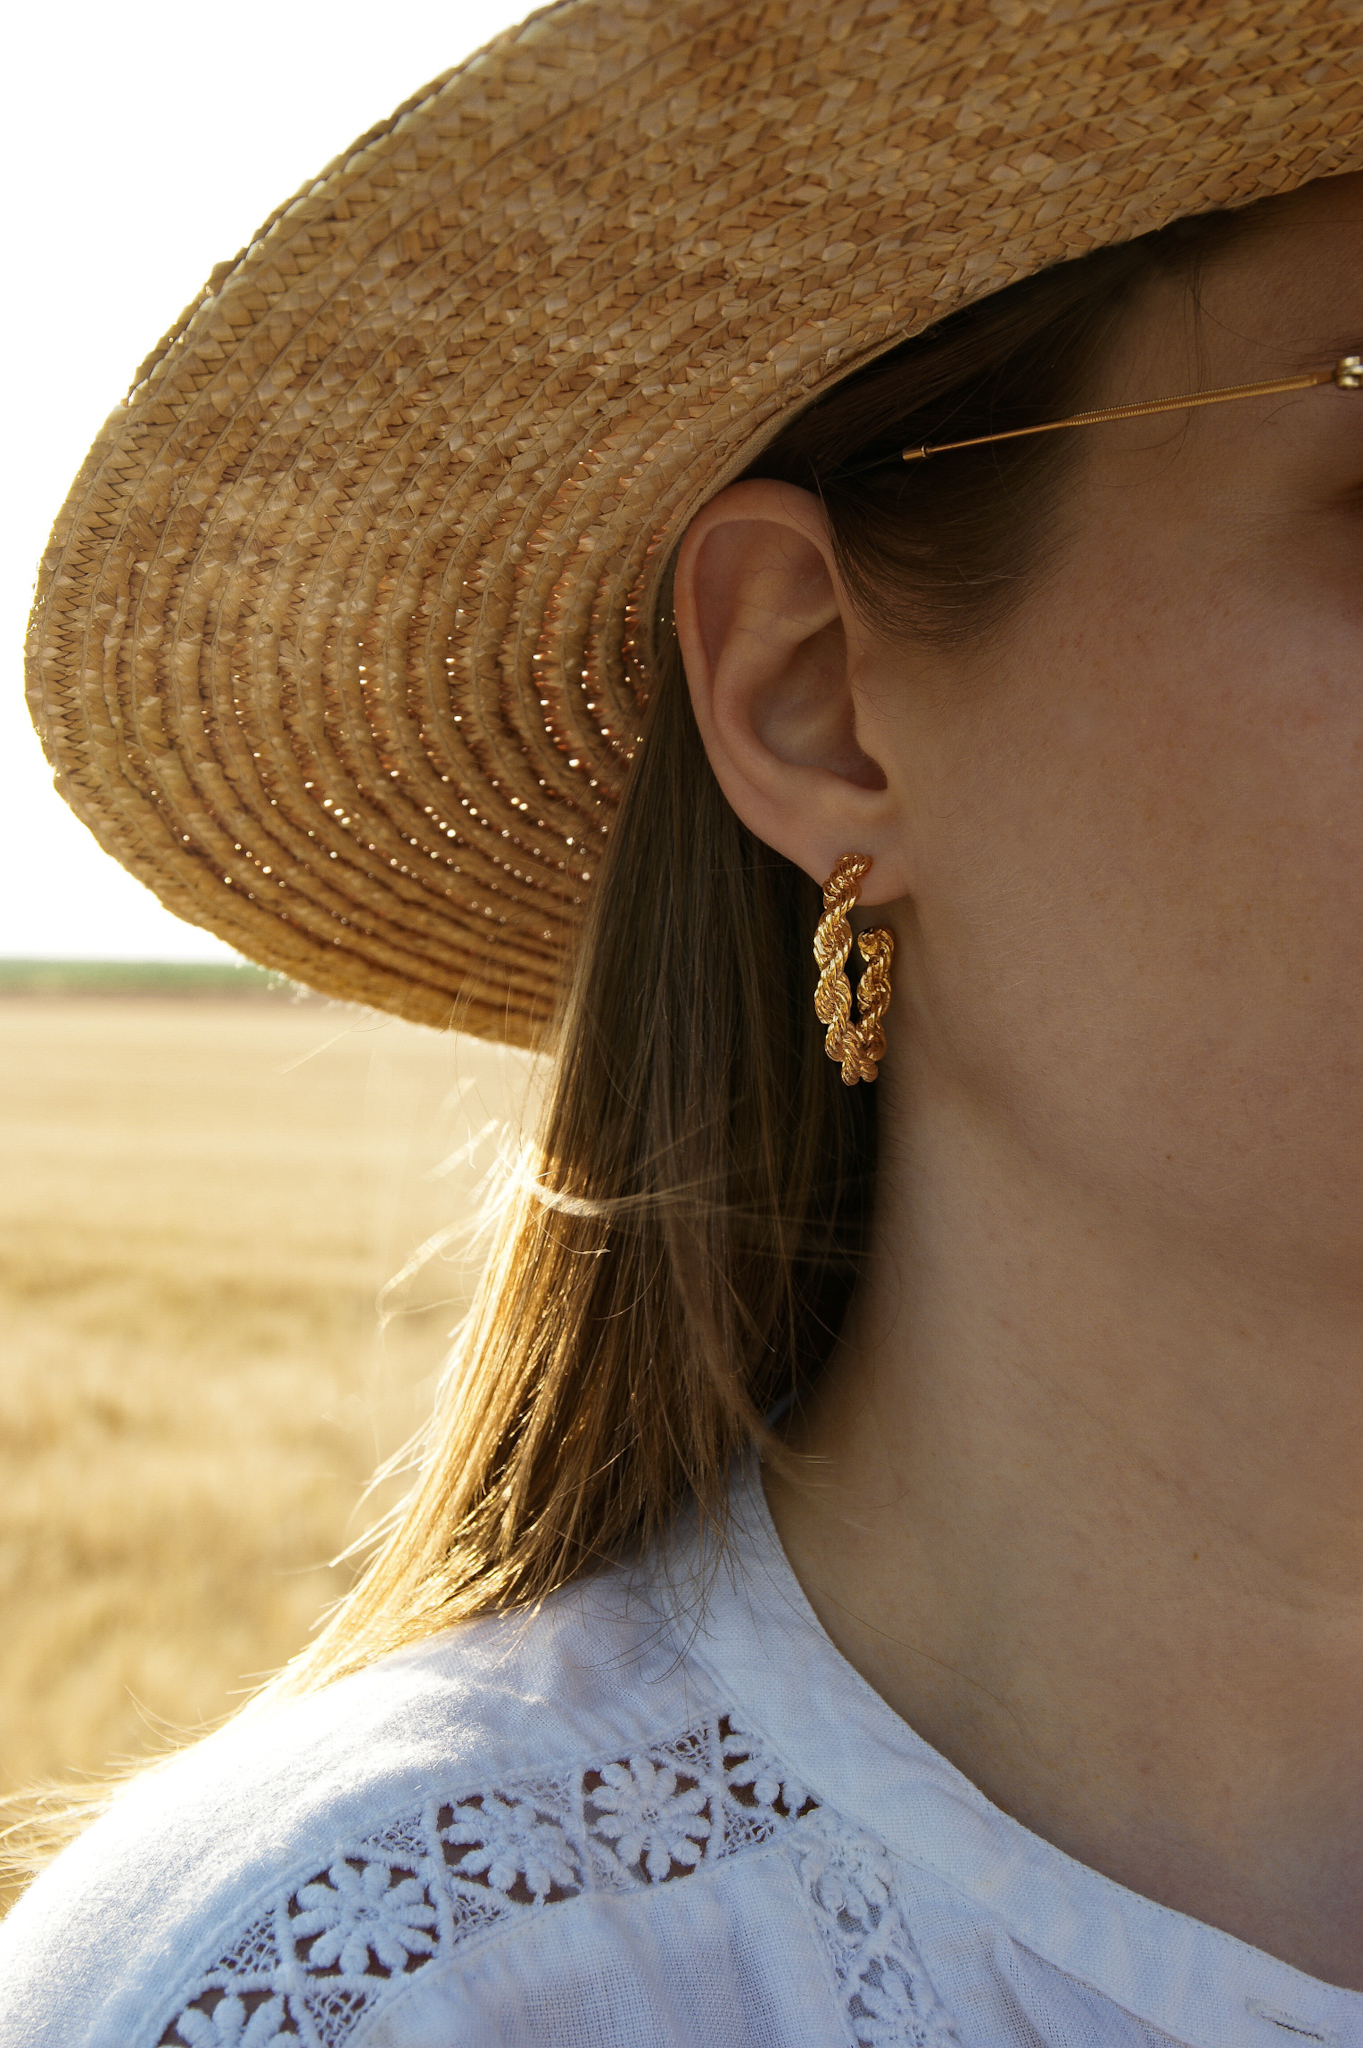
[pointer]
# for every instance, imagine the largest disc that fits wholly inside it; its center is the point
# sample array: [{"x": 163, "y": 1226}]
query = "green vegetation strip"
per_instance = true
[{"x": 141, "y": 978}]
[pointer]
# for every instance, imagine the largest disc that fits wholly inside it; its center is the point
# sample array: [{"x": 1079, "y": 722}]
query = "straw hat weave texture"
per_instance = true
[{"x": 339, "y": 638}]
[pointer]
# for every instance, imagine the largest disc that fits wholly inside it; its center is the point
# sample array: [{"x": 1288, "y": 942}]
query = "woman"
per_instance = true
[{"x": 885, "y": 1568}]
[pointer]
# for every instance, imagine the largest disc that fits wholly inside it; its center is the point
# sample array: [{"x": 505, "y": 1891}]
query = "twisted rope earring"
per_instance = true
[{"x": 858, "y": 1046}]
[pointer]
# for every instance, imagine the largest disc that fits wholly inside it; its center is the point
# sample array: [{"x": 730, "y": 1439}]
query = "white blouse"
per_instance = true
[{"x": 635, "y": 1820}]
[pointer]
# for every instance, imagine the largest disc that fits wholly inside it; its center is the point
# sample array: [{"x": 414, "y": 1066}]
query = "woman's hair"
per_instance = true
[{"x": 676, "y": 1260}]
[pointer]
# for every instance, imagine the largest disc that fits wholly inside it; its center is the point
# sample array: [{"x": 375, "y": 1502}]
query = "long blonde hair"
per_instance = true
[{"x": 677, "y": 1254}]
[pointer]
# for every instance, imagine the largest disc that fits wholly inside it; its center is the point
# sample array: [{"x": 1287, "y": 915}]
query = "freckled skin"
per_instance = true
[
  {"x": 1087, "y": 1499},
  {"x": 1136, "y": 822}
]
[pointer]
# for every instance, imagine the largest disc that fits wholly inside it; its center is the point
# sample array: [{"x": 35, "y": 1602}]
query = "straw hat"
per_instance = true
[{"x": 338, "y": 642}]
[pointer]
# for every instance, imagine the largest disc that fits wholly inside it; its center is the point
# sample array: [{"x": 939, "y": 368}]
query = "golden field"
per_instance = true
[{"x": 200, "y": 1201}]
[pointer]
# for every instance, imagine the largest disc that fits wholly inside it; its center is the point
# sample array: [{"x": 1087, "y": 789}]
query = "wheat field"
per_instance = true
[{"x": 200, "y": 1201}]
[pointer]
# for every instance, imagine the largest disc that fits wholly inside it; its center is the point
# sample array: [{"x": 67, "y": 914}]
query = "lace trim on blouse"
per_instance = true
[{"x": 327, "y": 1953}]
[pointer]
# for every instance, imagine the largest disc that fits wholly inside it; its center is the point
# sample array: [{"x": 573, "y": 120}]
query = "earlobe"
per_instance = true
[{"x": 771, "y": 648}]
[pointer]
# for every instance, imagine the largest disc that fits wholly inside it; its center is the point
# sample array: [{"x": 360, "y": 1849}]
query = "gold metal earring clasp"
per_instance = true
[{"x": 858, "y": 1045}]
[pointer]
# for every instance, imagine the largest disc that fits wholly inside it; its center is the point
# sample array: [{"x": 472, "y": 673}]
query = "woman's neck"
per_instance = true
[{"x": 1086, "y": 1506}]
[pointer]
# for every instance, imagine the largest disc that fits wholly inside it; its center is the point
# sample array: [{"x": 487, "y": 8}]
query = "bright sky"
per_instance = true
[{"x": 147, "y": 140}]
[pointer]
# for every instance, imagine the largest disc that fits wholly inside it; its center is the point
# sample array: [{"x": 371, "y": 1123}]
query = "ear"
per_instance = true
[{"x": 773, "y": 652}]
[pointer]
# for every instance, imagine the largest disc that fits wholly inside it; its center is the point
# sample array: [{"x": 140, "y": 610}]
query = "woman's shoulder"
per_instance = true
[{"x": 295, "y": 1853}]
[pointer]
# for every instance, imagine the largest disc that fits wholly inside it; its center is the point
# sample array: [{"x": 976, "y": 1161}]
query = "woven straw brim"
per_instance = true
[{"x": 337, "y": 643}]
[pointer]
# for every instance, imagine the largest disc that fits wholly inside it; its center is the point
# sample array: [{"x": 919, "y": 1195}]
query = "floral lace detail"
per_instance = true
[
  {"x": 354, "y": 1914},
  {"x": 887, "y": 1996},
  {"x": 653, "y": 1815},
  {"x": 333, "y": 1949}
]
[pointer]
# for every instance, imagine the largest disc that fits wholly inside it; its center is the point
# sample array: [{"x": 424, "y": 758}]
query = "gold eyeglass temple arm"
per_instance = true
[{"x": 1347, "y": 374}]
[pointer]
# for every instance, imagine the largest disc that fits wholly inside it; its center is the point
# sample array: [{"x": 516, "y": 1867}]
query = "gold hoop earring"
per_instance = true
[{"x": 858, "y": 1046}]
